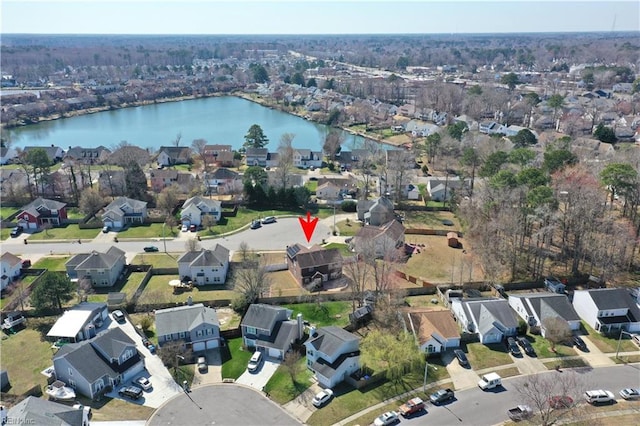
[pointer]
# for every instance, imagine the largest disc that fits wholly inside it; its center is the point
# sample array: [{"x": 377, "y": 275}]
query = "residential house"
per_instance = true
[
  {"x": 513, "y": 130},
  {"x": 195, "y": 208},
  {"x": 160, "y": 179},
  {"x": 490, "y": 127},
  {"x": 333, "y": 354},
  {"x": 219, "y": 155},
  {"x": 608, "y": 310},
  {"x": 38, "y": 411},
  {"x": 328, "y": 191},
  {"x": 84, "y": 155},
  {"x": 534, "y": 308},
  {"x": 305, "y": 158},
  {"x": 222, "y": 181},
  {"x": 80, "y": 322},
  {"x": 13, "y": 184},
  {"x": 256, "y": 157},
  {"x": 112, "y": 182},
  {"x": 195, "y": 325},
  {"x": 420, "y": 129},
  {"x": 10, "y": 266},
  {"x": 441, "y": 189},
  {"x": 313, "y": 266},
  {"x": 382, "y": 239},
  {"x": 375, "y": 212},
  {"x": 124, "y": 211},
  {"x": 435, "y": 331},
  {"x": 412, "y": 192},
  {"x": 293, "y": 180},
  {"x": 270, "y": 330},
  {"x": 491, "y": 319},
  {"x": 54, "y": 153},
  {"x": 101, "y": 269},
  {"x": 7, "y": 155},
  {"x": 623, "y": 87},
  {"x": 92, "y": 367},
  {"x": 172, "y": 155},
  {"x": 42, "y": 211},
  {"x": 205, "y": 267}
]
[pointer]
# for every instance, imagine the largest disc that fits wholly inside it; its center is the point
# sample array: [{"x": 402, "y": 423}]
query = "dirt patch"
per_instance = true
[{"x": 228, "y": 318}]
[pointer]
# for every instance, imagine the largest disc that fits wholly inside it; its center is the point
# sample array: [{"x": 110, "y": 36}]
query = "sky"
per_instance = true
[{"x": 315, "y": 17}]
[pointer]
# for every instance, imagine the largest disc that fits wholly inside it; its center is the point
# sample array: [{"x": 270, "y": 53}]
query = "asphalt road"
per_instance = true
[
  {"x": 223, "y": 404},
  {"x": 478, "y": 408}
]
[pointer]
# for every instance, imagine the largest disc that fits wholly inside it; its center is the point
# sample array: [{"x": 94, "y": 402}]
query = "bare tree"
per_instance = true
[
  {"x": 84, "y": 288},
  {"x": 168, "y": 199},
  {"x": 209, "y": 221},
  {"x": 245, "y": 251},
  {"x": 292, "y": 365},
  {"x": 285, "y": 159},
  {"x": 177, "y": 139},
  {"x": 556, "y": 330},
  {"x": 199, "y": 147},
  {"x": 90, "y": 201},
  {"x": 251, "y": 280},
  {"x": 359, "y": 272},
  {"x": 192, "y": 244},
  {"x": 173, "y": 354},
  {"x": 399, "y": 163},
  {"x": 332, "y": 143}
]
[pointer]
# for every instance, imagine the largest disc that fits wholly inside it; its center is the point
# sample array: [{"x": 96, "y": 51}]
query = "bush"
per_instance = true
[
  {"x": 348, "y": 206},
  {"x": 522, "y": 327},
  {"x": 240, "y": 304}
]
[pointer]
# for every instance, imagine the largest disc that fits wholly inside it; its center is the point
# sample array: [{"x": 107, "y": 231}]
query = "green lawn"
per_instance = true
[
  {"x": 543, "y": 347},
  {"x": 487, "y": 356},
  {"x": 344, "y": 249},
  {"x": 282, "y": 389},
  {"x": 159, "y": 291},
  {"x": 566, "y": 363},
  {"x": 624, "y": 359},
  {"x": 157, "y": 260},
  {"x": 508, "y": 372},
  {"x": 429, "y": 219},
  {"x": 607, "y": 344},
  {"x": 348, "y": 401},
  {"x": 129, "y": 288},
  {"x": 24, "y": 356},
  {"x": 8, "y": 211},
  {"x": 52, "y": 263},
  {"x": 348, "y": 229},
  {"x": 323, "y": 314},
  {"x": 234, "y": 359},
  {"x": 74, "y": 213},
  {"x": 311, "y": 185},
  {"x": 65, "y": 232},
  {"x": 108, "y": 409},
  {"x": 147, "y": 230},
  {"x": 5, "y": 233}
]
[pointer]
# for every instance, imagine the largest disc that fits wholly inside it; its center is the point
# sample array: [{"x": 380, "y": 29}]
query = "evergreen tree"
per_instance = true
[{"x": 255, "y": 137}]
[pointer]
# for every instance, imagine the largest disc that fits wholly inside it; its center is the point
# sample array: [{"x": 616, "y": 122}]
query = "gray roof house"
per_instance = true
[
  {"x": 270, "y": 330},
  {"x": 195, "y": 325},
  {"x": 608, "y": 309},
  {"x": 196, "y": 207},
  {"x": 87, "y": 155},
  {"x": 333, "y": 354},
  {"x": 491, "y": 319},
  {"x": 376, "y": 212},
  {"x": 102, "y": 269},
  {"x": 256, "y": 157},
  {"x": 383, "y": 238},
  {"x": 37, "y": 411},
  {"x": 80, "y": 322},
  {"x": 534, "y": 308},
  {"x": 205, "y": 266},
  {"x": 54, "y": 153},
  {"x": 170, "y": 155},
  {"x": 93, "y": 366},
  {"x": 124, "y": 211}
]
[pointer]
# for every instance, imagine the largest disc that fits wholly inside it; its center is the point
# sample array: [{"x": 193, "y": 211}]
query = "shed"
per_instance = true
[{"x": 452, "y": 240}]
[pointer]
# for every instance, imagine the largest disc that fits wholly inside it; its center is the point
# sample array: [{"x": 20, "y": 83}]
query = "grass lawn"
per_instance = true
[
  {"x": 566, "y": 363},
  {"x": 323, "y": 314},
  {"x": 430, "y": 219},
  {"x": 136, "y": 319},
  {"x": 543, "y": 347},
  {"x": 344, "y": 249},
  {"x": 607, "y": 344},
  {"x": 25, "y": 345},
  {"x": 311, "y": 185},
  {"x": 65, "y": 232},
  {"x": 159, "y": 291},
  {"x": 116, "y": 409},
  {"x": 184, "y": 372},
  {"x": 508, "y": 372},
  {"x": 5, "y": 233},
  {"x": 348, "y": 229},
  {"x": 129, "y": 288},
  {"x": 624, "y": 359},
  {"x": 268, "y": 258},
  {"x": 8, "y": 211},
  {"x": 234, "y": 359},
  {"x": 487, "y": 356},
  {"x": 52, "y": 263},
  {"x": 282, "y": 389},
  {"x": 157, "y": 260},
  {"x": 623, "y": 420},
  {"x": 424, "y": 302},
  {"x": 348, "y": 401},
  {"x": 283, "y": 284},
  {"x": 148, "y": 230},
  {"x": 74, "y": 213}
]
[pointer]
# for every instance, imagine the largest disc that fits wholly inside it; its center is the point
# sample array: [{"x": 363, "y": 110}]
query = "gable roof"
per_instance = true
[
  {"x": 614, "y": 298},
  {"x": 331, "y": 338},
  {"x": 176, "y": 152},
  {"x": 547, "y": 305},
  {"x": 38, "y": 411},
  {"x": 393, "y": 229},
  {"x": 120, "y": 202},
  {"x": 184, "y": 319},
  {"x": 492, "y": 313},
  {"x": 114, "y": 343},
  {"x": 37, "y": 205},
  {"x": 199, "y": 201},
  {"x": 430, "y": 322},
  {"x": 257, "y": 152},
  {"x": 262, "y": 316},
  {"x": 10, "y": 259},
  {"x": 223, "y": 174},
  {"x": 218, "y": 256},
  {"x": 314, "y": 255},
  {"x": 96, "y": 260},
  {"x": 82, "y": 152}
]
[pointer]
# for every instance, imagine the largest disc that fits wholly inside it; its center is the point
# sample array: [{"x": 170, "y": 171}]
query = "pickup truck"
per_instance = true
[
  {"x": 520, "y": 412},
  {"x": 412, "y": 406}
]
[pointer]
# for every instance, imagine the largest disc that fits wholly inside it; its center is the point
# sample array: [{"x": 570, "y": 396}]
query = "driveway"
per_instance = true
[
  {"x": 164, "y": 387},
  {"x": 595, "y": 357},
  {"x": 259, "y": 379},
  {"x": 301, "y": 407},
  {"x": 462, "y": 378},
  {"x": 214, "y": 369},
  {"x": 528, "y": 365}
]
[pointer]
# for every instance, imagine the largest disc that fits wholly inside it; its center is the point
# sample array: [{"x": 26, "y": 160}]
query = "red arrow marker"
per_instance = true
[{"x": 308, "y": 226}]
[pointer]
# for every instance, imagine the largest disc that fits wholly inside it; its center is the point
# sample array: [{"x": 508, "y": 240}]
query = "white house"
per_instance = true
[
  {"x": 607, "y": 309},
  {"x": 534, "y": 308},
  {"x": 10, "y": 266},
  {"x": 441, "y": 188},
  {"x": 328, "y": 191},
  {"x": 305, "y": 158},
  {"x": 491, "y": 319},
  {"x": 195, "y": 325},
  {"x": 81, "y": 322},
  {"x": 205, "y": 266},
  {"x": 333, "y": 354},
  {"x": 124, "y": 211},
  {"x": 436, "y": 331},
  {"x": 195, "y": 208}
]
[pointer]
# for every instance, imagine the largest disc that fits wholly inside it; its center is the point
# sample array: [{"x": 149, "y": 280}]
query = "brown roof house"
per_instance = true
[
  {"x": 313, "y": 266},
  {"x": 389, "y": 236},
  {"x": 436, "y": 331}
]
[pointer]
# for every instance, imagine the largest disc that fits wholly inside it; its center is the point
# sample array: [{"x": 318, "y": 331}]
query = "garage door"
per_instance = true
[
  {"x": 211, "y": 344},
  {"x": 274, "y": 353},
  {"x": 197, "y": 347}
]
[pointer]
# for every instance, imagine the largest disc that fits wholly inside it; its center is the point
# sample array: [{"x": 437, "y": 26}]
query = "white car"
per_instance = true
[
  {"x": 143, "y": 382},
  {"x": 268, "y": 219},
  {"x": 184, "y": 228},
  {"x": 254, "y": 362},
  {"x": 599, "y": 396},
  {"x": 385, "y": 419},
  {"x": 322, "y": 397},
  {"x": 630, "y": 393}
]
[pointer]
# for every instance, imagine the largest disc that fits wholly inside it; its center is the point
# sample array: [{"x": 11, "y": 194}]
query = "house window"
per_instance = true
[
  {"x": 216, "y": 279},
  {"x": 72, "y": 383},
  {"x": 251, "y": 330},
  {"x": 206, "y": 279},
  {"x": 309, "y": 363},
  {"x": 167, "y": 337},
  {"x": 199, "y": 333},
  {"x": 70, "y": 372},
  {"x": 310, "y": 353},
  {"x": 127, "y": 354},
  {"x": 182, "y": 334}
]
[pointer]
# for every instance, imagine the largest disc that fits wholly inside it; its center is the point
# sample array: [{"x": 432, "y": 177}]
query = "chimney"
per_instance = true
[
  {"x": 189, "y": 301},
  {"x": 300, "y": 326}
]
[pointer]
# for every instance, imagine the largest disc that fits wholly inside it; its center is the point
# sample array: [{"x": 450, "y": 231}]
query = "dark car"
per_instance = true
[
  {"x": 132, "y": 392},
  {"x": 118, "y": 315},
  {"x": 16, "y": 231},
  {"x": 462, "y": 357},
  {"x": 255, "y": 224},
  {"x": 26, "y": 264},
  {"x": 580, "y": 344},
  {"x": 524, "y": 343},
  {"x": 513, "y": 347},
  {"x": 441, "y": 396},
  {"x": 150, "y": 249},
  {"x": 193, "y": 228}
]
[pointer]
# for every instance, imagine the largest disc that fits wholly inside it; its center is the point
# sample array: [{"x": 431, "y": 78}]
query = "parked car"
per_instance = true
[
  {"x": 412, "y": 406},
  {"x": 16, "y": 231},
  {"x": 441, "y": 396},
  {"x": 255, "y": 224},
  {"x": 560, "y": 401},
  {"x": 521, "y": 412},
  {"x": 490, "y": 381},
  {"x": 322, "y": 397},
  {"x": 106, "y": 229},
  {"x": 132, "y": 392},
  {"x": 513, "y": 347},
  {"x": 150, "y": 249},
  {"x": 580, "y": 344},
  {"x": 269, "y": 219},
  {"x": 462, "y": 357},
  {"x": 528, "y": 349},
  {"x": 599, "y": 396},
  {"x": 385, "y": 419},
  {"x": 630, "y": 393},
  {"x": 193, "y": 228},
  {"x": 184, "y": 228},
  {"x": 143, "y": 382},
  {"x": 118, "y": 315},
  {"x": 202, "y": 364},
  {"x": 254, "y": 362},
  {"x": 26, "y": 264}
]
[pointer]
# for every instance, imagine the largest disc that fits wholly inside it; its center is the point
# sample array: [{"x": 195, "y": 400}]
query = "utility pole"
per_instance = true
[{"x": 620, "y": 340}]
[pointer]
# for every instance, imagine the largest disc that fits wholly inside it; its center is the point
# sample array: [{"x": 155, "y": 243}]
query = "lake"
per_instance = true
[{"x": 218, "y": 120}]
